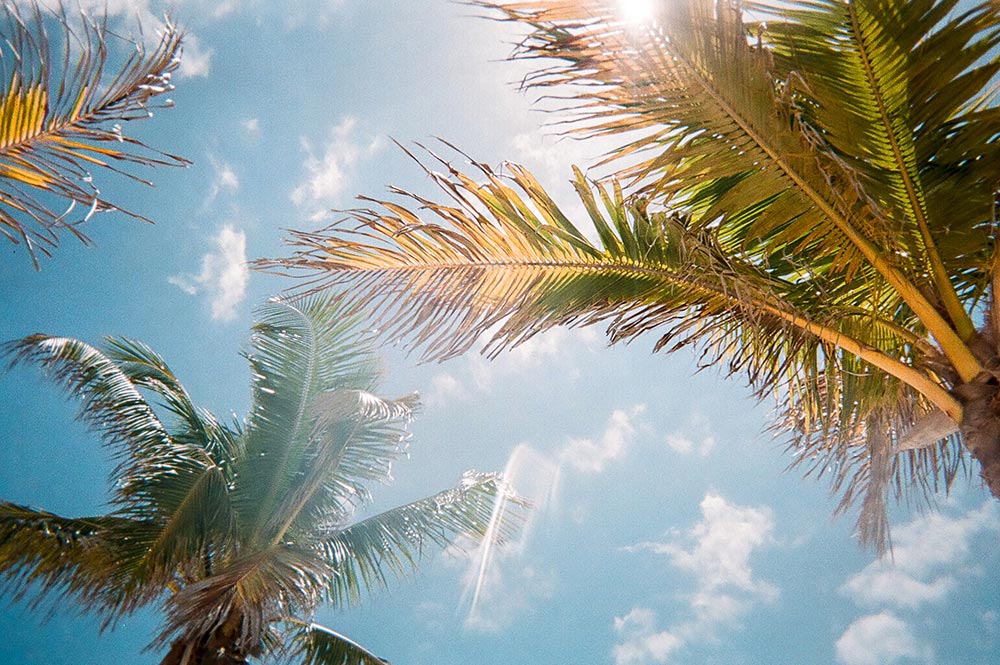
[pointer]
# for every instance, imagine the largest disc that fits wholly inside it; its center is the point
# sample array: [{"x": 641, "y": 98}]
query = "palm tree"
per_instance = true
[
  {"x": 805, "y": 190},
  {"x": 61, "y": 109},
  {"x": 244, "y": 528}
]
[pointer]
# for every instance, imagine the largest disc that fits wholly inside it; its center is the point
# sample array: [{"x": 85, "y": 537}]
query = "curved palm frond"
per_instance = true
[
  {"x": 503, "y": 259},
  {"x": 747, "y": 126},
  {"x": 114, "y": 407},
  {"x": 299, "y": 350},
  {"x": 355, "y": 438},
  {"x": 195, "y": 425},
  {"x": 313, "y": 644},
  {"x": 395, "y": 540},
  {"x": 60, "y": 109},
  {"x": 44, "y": 554}
]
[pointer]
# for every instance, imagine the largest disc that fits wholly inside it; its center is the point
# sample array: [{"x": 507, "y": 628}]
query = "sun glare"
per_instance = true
[{"x": 638, "y": 11}]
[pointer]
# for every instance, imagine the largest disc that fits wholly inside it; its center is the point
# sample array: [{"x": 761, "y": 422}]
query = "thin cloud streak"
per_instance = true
[{"x": 223, "y": 277}]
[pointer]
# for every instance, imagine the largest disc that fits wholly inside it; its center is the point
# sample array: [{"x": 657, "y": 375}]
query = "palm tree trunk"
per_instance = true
[
  {"x": 981, "y": 426},
  {"x": 205, "y": 651}
]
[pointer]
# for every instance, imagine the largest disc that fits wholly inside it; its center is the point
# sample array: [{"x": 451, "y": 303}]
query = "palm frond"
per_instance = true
[
  {"x": 728, "y": 130},
  {"x": 505, "y": 259},
  {"x": 61, "y": 106},
  {"x": 355, "y": 439},
  {"x": 299, "y": 350},
  {"x": 194, "y": 425},
  {"x": 361, "y": 555},
  {"x": 113, "y": 406},
  {"x": 313, "y": 644},
  {"x": 45, "y": 554}
]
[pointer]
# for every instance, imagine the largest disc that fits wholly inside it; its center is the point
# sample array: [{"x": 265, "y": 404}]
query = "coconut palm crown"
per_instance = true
[
  {"x": 63, "y": 104},
  {"x": 240, "y": 529},
  {"x": 806, "y": 190}
]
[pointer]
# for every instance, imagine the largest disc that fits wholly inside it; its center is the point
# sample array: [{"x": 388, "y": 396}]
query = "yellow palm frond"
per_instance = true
[{"x": 61, "y": 115}]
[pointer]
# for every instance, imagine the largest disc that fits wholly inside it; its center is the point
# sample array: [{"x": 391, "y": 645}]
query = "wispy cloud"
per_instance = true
[
  {"x": 641, "y": 642},
  {"x": 591, "y": 455},
  {"x": 503, "y": 584},
  {"x": 328, "y": 169},
  {"x": 224, "y": 179},
  {"x": 881, "y": 639},
  {"x": 695, "y": 438},
  {"x": 251, "y": 126},
  {"x": 717, "y": 552},
  {"x": 552, "y": 345},
  {"x": 223, "y": 277},
  {"x": 929, "y": 555},
  {"x": 195, "y": 60}
]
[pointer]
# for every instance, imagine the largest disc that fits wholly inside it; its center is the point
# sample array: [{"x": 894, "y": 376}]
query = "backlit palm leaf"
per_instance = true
[
  {"x": 809, "y": 196},
  {"x": 503, "y": 259},
  {"x": 796, "y": 139},
  {"x": 395, "y": 540},
  {"x": 312, "y": 644},
  {"x": 242, "y": 526},
  {"x": 61, "y": 105}
]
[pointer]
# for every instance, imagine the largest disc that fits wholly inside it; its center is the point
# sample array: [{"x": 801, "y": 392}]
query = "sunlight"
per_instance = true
[
  {"x": 534, "y": 477},
  {"x": 638, "y": 11}
]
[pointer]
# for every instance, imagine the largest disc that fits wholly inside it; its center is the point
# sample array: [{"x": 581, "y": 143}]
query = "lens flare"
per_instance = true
[
  {"x": 534, "y": 477},
  {"x": 638, "y": 11}
]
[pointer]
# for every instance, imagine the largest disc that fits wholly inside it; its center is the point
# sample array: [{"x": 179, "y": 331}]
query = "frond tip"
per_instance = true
[{"x": 62, "y": 105}]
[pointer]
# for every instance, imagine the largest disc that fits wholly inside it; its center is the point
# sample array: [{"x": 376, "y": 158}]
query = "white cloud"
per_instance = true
[
  {"x": 928, "y": 555},
  {"x": 546, "y": 347},
  {"x": 445, "y": 387},
  {"x": 225, "y": 179},
  {"x": 328, "y": 172},
  {"x": 251, "y": 126},
  {"x": 196, "y": 60},
  {"x": 641, "y": 642},
  {"x": 718, "y": 555},
  {"x": 223, "y": 277},
  {"x": 880, "y": 639},
  {"x": 590, "y": 456},
  {"x": 694, "y": 438},
  {"x": 723, "y": 542}
]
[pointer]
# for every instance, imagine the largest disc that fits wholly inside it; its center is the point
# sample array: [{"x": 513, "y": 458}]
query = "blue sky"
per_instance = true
[{"x": 665, "y": 531}]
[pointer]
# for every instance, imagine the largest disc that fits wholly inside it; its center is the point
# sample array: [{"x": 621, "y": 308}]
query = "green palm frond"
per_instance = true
[
  {"x": 46, "y": 554},
  {"x": 299, "y": 350},
  {"x": 394, "y": 541},
  {"x": 61, "y": 105},
  {"x": 194, "y": 425},
  {"x": 801, "y": 137},
  {"x": 505, "y": 259},
  {"x": 112, "y": 405},
  {"x": 499, "y": 257},
  {"x": 313, "y": 644},
  {"x": 355, "y": 439}
]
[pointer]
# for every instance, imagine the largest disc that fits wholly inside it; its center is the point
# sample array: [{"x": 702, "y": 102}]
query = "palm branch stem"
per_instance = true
[
  {"x": 953, "y": 346},
  {"x": 964, "y": 326},
  {"x": 311, "y": 485},
  {"x": 275, "y": 486}
]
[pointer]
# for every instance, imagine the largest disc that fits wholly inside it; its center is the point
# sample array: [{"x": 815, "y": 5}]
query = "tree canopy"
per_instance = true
[
  {"x": 803, "y": 190},
  {"x": 240, "y": 529}
]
